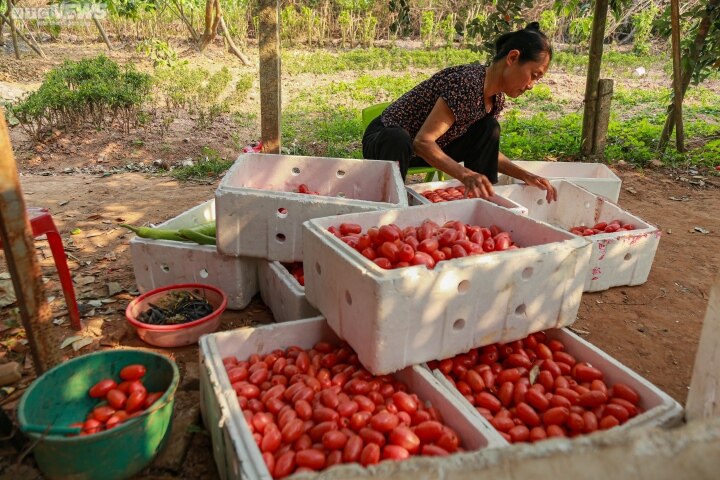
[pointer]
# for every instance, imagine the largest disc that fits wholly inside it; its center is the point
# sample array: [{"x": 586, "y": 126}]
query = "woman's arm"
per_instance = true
[
  {"x": 509, "y": 168},
  {"x": 425, "y": 145}
]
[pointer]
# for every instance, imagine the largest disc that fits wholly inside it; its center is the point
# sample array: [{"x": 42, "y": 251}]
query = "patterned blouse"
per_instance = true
[{"x": 462, "y": 89}]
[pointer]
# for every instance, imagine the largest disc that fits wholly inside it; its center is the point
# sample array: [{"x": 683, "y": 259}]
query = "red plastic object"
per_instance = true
[
  {"x": 42, "y": 224},
  {"x": 181, "y": 334}
]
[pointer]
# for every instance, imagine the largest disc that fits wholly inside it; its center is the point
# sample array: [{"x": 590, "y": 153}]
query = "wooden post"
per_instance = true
[
  {"x": 593, "y": 75},
  {"x": 704, "y": 396},
  {"x": 270, "y": 76},
  {"x": 602, "y": 116},
  {"x": 677, "y": 75},
  {"x": 19, "y": 247},
  {"x": 102, "y": 32},
  {"x": 13, "y": 32}
]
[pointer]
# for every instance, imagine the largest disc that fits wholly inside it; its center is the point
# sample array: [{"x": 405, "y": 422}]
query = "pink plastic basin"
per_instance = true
[{"x": 182, "y": 334}]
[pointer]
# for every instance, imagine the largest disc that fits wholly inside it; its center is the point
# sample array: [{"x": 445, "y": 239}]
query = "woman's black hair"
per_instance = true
[{"x": 530, "y": 41}]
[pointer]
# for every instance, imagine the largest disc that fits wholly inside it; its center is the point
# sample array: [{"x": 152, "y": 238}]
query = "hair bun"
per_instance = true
[{"x": 533, "y": 26}]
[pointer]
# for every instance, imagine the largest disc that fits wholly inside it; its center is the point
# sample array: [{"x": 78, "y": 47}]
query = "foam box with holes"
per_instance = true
[
  {"x": 415, "y": 195},
  {"x": 620, "y": 258},
  {"x": 157, "y": 263},
  {"x": 283, "y": 295},
  {"x": 658, "y": 408},
  {"x": 595, "y": 177},
  {"x": 259, "y": 215},
  {"x": 236, "y": 452},
  {"x": 401, "y": 317}
]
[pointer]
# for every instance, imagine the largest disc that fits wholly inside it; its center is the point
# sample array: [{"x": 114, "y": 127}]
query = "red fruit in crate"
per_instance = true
[
  {"x": 422, "y": 258},
  {"x": 383, "y": 262},
  {"x": 370, "y": 454},
  {"x": 388, "y": 233},
  {"x": 625, "y": 392}
]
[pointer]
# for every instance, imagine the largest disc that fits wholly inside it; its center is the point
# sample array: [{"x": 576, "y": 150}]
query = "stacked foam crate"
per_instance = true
[
  {"x": 157, "y": 263},
  {"x": 619, "y": 258},
  {"x": 417, "y": 195},
  {"x": 261, "y": 211},
  {"x": 406, "y": 316},
  {"x": 595, "y": 177},
  {"x": 235, "y": 446},
  {"x": 395, "y": 320},
  {"x": 615, "y": 390}
]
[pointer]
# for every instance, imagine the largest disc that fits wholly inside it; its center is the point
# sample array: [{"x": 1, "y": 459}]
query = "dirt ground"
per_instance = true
[{"x": 95, "y": 181}]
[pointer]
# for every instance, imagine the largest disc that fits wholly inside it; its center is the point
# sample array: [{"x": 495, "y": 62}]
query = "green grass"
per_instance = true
[
  {"x": 209, "y": 165},
  {"x": 614, "y": 64},
  {"x": 324, "y": 62},
  {"x": 324, "y": 119}
]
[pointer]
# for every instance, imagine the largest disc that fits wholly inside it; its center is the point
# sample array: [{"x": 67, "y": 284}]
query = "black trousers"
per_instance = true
[{"x": 478, "y": 148}]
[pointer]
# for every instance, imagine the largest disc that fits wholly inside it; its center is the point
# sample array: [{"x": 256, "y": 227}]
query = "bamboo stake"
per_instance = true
[{"x": 17, "y": 241}]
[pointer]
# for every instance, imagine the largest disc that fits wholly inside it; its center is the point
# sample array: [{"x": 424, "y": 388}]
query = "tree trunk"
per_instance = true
[
  {"x": 13, "y": 31},
  {"x": 677, "y": 75},
  {"x": 2, "y": 26},
  {"x": 213, "y": 15},
  {"x": 697, "y": 47},
  {"x": 602, "y": 116},
  {"x": 593, "y": 75},
  {"x": 270, "y": 80}
]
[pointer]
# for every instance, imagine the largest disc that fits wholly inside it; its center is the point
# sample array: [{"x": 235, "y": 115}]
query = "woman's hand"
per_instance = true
[
  {"x": 477, "y": 185},
  {"x": 542, "y": 184}
]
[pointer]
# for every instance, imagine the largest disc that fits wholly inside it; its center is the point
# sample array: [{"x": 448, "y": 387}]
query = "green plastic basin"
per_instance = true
[{"x": 60, "y": 397}]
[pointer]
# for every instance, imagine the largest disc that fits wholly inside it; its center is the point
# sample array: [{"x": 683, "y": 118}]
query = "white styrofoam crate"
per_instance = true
[
  {"x": 282, "y": 293},
  {"x": 658, "y": 408},
  {"x": 406, "y": 316},
  {"x": 415, "y": 196},
  {"x": 235, "y": 451},
  {"x": 619, "y": 258},
  {"x": 595, "y": 177},
  {"x": 157, "y": 263},
  {"x": 259, "y": 215}
]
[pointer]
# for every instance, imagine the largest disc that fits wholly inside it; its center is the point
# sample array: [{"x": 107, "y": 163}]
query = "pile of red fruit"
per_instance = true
[
  {"x": 311, "y": 409},
  {"x": 119, "y": 402},
  {"x": 391, "y": 247},
  {"x": 532, "y": 389},
  {"x": 446, "y": 194},
  {"x": 602, "y": 227},
  {"x": 296, "y": 270}
]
